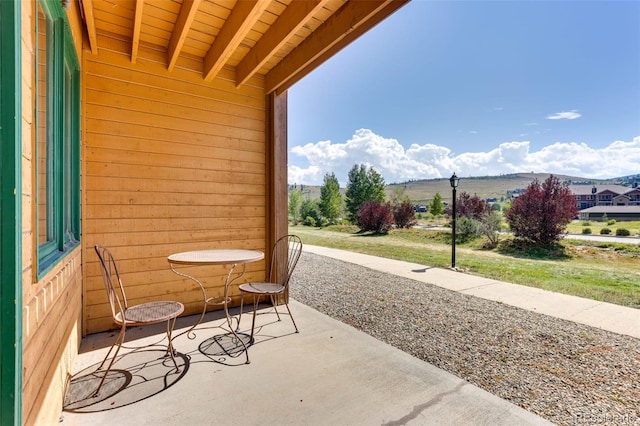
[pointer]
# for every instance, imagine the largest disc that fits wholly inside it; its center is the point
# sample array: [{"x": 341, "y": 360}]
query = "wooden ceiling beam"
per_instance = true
[
  {"x": 328, "y": 39},
  {"x": 137, "y": 26},
  {"x": 282, "y": 30},
  {"x": 183, "y": 25},
  {"x": 242, "y": 18},
  {"x": 374, "y": 20},
  {"x": 90, "y": 23}
]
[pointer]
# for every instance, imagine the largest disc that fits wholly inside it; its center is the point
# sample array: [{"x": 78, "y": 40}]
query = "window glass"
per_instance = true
[
  {"x": 57, "y": 136},
  {"x": 44, "y": 149}
]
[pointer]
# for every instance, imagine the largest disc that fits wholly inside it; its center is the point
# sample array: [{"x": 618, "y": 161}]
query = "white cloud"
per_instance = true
[
  {"x": 427, "y": 161},
  {"x": 565, "y": 115}
]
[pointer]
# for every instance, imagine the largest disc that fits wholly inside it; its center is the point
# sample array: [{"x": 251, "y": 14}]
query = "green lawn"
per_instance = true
[
  {"x": 578, "y": 226},
  {"x": 600, "y": 271}
]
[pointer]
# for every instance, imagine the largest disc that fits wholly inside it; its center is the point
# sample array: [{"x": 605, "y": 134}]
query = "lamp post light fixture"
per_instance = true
[{"x": 453, "y": 180}]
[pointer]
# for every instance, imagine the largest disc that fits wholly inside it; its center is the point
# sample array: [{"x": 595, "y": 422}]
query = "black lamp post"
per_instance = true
[{"x": 453, "y": 180}]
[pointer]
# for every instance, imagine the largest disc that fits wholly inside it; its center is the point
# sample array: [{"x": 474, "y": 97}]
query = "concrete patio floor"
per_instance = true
[{"x": 328, "y": 374}]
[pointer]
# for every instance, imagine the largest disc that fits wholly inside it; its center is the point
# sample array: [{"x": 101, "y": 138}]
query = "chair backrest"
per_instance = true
[
  {"x": 112, "y": 282},
  {"x": 284, "y": 258}
]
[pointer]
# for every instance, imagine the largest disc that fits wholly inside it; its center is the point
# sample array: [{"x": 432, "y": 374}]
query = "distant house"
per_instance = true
[
  {"x": 619, "y": 213},
  {"x": 588, "y": 196}
]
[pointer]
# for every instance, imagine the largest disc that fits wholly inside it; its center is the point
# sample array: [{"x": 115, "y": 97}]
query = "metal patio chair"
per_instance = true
[
  {"x": 285, "y": 255},
  {"x": 130, "y": 316}
]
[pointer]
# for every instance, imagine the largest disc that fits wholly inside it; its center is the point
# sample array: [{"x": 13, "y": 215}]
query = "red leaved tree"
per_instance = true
[
  {"x": 470, "y": 206},
  {"x": 375, "y": 216},
  {"x": 404, "y": 215},
  {"x": 541, "y": 213}
]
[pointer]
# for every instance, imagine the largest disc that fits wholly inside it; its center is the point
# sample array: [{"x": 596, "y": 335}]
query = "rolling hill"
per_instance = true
[{"x": 422, "y": 191}]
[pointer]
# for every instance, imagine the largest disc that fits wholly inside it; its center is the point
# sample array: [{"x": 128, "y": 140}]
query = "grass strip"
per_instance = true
[{"x": 608, "y": 274}]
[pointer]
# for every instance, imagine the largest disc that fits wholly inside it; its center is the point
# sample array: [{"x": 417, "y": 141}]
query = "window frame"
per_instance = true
[{"x": 62, "y": 143}]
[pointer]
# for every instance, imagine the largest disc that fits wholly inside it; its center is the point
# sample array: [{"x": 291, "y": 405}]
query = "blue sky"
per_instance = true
[{"x": 477, "y": 88}]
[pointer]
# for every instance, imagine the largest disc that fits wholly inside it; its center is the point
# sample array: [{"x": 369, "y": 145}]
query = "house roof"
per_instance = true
[
  {"x": 612, "y": 209},
  {"x": 279, "y": 40},
  {"x": 588, "y": 189}
]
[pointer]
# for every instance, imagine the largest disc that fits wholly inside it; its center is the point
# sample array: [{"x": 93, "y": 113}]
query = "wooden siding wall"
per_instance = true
[
  {"x": 170, "y": 163},
  {"x": 51, "y": 340},
  {"x": 52, "y": 303}
]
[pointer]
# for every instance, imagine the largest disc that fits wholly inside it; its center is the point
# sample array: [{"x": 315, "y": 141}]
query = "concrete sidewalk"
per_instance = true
[{"x": 606, "y": 316}]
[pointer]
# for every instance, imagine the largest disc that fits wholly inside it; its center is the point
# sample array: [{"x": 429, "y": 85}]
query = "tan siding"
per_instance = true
[
  {"x": 197, "y": 229},
  {"x": 52, "y": 304},
  {"x": 126, "y": 163},
  {"x": 50, "y": 318},
  {"x": 164, "y": 139},
  {"x": 170, "y": 163},
  {"x": 163, "y": 286}
]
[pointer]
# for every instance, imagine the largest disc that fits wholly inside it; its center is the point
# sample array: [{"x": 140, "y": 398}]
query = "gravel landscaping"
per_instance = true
[{"x": 565, "y": 372}]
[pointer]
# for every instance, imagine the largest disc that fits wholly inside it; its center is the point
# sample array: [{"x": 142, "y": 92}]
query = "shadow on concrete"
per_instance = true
[{"x": 137, "y": 375}]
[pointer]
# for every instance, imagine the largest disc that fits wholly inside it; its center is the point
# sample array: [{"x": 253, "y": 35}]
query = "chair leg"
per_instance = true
[
  {"x": 275, "y": 305},
  {"x": 291, "y": 316},
  {"x": 256, "y": 300},
  {"x": 119, "y": 340}
]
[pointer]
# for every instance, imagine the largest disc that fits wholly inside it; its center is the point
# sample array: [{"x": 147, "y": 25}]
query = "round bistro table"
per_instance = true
[{"x": 231, "y": 257}]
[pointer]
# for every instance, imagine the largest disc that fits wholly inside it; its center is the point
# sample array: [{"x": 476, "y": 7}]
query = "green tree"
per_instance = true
[
  {"x": 310, "y": 212},
  {"x": 365, "y": 184},
  {"x": 295, "y": 202},
  {"x": 436, "y": 207},
  {"x": 490, "y": 226},
  {"x": 330, "y": 197},
  {"x": 398, "y": 195}
]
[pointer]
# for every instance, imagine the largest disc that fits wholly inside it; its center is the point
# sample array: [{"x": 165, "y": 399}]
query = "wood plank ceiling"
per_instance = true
[{"x": 280, "y": 40}]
